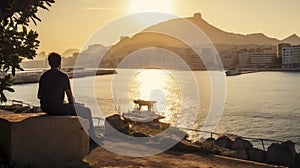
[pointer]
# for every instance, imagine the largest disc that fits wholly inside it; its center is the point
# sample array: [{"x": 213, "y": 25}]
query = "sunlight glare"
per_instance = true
[
  {"x": 160, "y": 86},
  {"x": 162, "y": 6},
  {"x": 150, "y": 81}
]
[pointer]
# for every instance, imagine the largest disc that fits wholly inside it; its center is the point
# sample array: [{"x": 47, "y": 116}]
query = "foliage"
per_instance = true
[
  {"x": 16, "y": 42},
  {"x": 5, "y": 84}
]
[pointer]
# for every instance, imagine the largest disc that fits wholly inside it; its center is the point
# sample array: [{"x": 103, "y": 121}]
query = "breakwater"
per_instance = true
[{"x": 34, "y": 76}]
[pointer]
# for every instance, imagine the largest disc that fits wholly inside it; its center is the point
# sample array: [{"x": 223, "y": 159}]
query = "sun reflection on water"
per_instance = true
[{"x": 160, "y": 86}]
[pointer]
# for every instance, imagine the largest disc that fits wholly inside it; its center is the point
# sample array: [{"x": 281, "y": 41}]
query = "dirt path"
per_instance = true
[{"x": 100, "y": 157}]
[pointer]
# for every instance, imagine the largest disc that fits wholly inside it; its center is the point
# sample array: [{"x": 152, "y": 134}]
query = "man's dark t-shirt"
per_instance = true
[{"x": 52, "y": 86}]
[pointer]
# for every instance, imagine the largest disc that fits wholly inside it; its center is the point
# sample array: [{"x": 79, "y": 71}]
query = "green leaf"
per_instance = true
[
  {"x": 42, "y": 6},
  {"x": 16, "y": 41}
]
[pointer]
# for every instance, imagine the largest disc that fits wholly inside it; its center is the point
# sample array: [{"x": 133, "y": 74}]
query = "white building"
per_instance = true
[{"x": 291, "y": 57}]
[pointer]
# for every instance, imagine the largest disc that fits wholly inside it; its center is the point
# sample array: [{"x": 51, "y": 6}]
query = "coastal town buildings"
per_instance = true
[
  {"x": 263, "y": 60},
  {"x": 245, "y": 60},
  {"x": 279, "y": 48},
  {"x": 290, "y": 57},
  {"x": 257, "y": 60},
  {"x": 34, "y": 64},
  {"x": 229, "y": 61},
  {"x": 285, "y": 56}
]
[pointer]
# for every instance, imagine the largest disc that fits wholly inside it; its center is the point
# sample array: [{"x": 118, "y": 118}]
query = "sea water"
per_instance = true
[{"x": 259, "y": 105}]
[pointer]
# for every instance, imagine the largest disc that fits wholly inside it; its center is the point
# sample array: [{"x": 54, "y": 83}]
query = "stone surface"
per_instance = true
[
  {"x": 240, "y": 144},
  {"x": 224, "y": 142},
  {"x": 242, "y": 154},
  {"x": 36, "y": 110},
  {"x": 281, "y": 154},
  {"x": 257, "y": 155},
  {"x": 101, "y": 157},
  {"x": 227, "y": 152},
  {"x": 115, "y": 123},
  {"x": 38, "y": 140}
]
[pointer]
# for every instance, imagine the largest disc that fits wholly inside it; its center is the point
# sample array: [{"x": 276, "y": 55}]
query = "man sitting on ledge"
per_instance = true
[{"x": 53, "y": 85}]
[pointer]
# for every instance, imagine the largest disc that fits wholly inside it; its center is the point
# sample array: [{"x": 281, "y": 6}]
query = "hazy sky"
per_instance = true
[{"x": 70, "y": 23}]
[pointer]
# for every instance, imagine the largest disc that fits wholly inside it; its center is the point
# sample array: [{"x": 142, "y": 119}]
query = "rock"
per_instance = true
[
  {"x": 240, "y": 144},
  {"x": 185, "y": 146},
  {"x": 227, "y": 152},
  {"x": 36, "y": 110},
  {"x": 138, "y": 134},
  {"x": 116, "y": 122},
  {"x": 210, "y": 140},
  {"x": 281, "y": 154},
  {"x": 25, "y": 109},
  {"x": 242, "y": 154},
  {"x": 289, "y": 145},
  {"x": 256, "y": 155},
  {"x": 13, "y": 108},
  {"x": 224, "y": 142}
]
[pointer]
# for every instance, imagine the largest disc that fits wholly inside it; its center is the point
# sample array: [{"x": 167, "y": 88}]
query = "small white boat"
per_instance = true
[{"x": 143, "y": 112}]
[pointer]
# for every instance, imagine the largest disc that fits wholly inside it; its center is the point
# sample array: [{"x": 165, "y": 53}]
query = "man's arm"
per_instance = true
[
  {"x": 39, "y": 95},
  {"x": 71, "y": 99}
]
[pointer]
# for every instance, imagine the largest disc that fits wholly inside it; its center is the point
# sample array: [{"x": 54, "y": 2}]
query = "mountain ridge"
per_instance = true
[
  {"x": 292, "y": 39},
  {"x": 215, "y": 34},
  {"x": 69, "y": 52},
  {"x": 218, "y": 36}
]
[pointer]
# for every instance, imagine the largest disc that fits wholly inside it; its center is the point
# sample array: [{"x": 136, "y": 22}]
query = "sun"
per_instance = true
[{"x": 162, "y": 6}]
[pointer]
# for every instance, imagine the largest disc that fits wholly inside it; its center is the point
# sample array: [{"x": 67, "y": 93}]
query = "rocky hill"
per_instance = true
[
  {"x": 70, "y": 52},
  {"x": 218, "y": 36},
  {"x": 293, "y": 39}
]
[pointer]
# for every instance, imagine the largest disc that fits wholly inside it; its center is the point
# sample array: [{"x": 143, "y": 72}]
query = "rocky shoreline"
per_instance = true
[
  {"x": 277, "y": 153},
  {"x": 283, "y": 154}
]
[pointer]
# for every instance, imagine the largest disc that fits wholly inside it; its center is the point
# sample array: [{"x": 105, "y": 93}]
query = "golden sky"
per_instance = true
[{"x": 70, "y": 23}]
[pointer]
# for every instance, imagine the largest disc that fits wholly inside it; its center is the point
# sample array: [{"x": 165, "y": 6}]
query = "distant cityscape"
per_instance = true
[
  {"x": 285, "y": 57},
  {"x": 247, "y": 57},
  {"x": 244, "y": 52}
]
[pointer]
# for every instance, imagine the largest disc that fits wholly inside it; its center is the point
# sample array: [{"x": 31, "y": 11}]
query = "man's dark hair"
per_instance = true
[{"x": 54, "y": 60}]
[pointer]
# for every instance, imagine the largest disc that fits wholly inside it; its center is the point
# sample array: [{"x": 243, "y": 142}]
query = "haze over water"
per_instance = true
[{"x": 259, "y": 105}]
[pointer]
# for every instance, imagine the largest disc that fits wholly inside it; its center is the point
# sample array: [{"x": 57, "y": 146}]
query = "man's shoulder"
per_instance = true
[
  {"x": 54, "y": 72},
  {"x": 62, "y": 73}
]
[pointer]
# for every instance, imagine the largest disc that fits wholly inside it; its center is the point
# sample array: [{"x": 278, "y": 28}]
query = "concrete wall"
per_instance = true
[{"x": 39, "y": 140}]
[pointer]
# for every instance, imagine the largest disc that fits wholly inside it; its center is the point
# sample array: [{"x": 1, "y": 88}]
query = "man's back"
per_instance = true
[{"x": 52, "y": 86}]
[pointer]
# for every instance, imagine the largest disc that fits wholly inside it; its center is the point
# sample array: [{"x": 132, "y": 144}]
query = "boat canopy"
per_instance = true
[{"x": 140, "y": 103}]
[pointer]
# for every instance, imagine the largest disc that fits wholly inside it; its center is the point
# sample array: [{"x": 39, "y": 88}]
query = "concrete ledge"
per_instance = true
[{"x": 39, "y": 140}]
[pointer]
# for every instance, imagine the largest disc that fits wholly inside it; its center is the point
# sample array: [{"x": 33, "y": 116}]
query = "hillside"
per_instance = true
[
  {"x": 148, "y": 37},
  {"x": 218, "y": 36},
  {"x": 293, "y": 39},
  {"x": 70, "y": 52}
]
